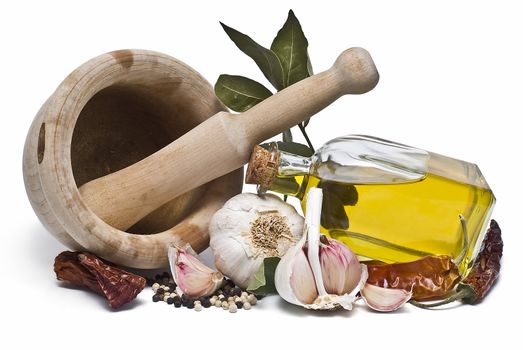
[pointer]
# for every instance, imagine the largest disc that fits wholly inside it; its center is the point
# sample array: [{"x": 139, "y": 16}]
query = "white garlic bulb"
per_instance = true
[
  {"x": 319, "y": 273},
  {"x": 249, "y": 228}
]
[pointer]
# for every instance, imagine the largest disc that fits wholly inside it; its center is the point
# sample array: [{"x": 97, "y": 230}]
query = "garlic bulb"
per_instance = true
[
  {"x": 249, "y": 228},
  {"x": 192, "y": 276},
  {"x": 319, "y": 273}
]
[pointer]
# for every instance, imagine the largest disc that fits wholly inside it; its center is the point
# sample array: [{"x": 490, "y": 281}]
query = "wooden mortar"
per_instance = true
[
  {"x": 111, "y": 112},
  {"x": 90, "y": 208}
]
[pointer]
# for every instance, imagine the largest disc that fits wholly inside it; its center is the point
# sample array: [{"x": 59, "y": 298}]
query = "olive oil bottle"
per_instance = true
[{"x": 386, "y": 201}]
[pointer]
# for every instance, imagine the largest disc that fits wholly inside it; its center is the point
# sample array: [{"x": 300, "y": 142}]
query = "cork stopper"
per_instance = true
[{"x": 262, "y": 167}]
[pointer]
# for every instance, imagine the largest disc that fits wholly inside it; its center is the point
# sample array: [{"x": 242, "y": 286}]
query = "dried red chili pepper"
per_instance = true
[
  {"x": 428, "y": 278},
  {"x": 86, "y": 270},
  {"x": 483, "y": 274}
]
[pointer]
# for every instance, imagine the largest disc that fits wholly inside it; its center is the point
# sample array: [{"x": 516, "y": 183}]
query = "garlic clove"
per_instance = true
[
  {"x": 384, "y": 299},
  {"x": 284, "y": 271},
  {"x": 192, "y": 276},
  {"x": 346, "y": 300},
  {"x": 338, "y": 279},
  {"x": 302, "y": 279},
  {"x": 302, "y": 293},
  {"x": 299, "y": 289}
]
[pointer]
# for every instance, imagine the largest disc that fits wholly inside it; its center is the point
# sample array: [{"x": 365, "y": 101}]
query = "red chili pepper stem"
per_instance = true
[
  {"x": 464, "y": 294},
  {"x": 483, "y": 274}
]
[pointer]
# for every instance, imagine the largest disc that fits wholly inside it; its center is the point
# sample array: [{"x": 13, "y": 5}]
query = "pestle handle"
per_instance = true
[{"x": 222, "y": 143}]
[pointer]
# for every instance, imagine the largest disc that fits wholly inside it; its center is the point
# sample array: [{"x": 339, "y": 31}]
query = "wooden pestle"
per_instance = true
[{"x": 222, "y": 144}]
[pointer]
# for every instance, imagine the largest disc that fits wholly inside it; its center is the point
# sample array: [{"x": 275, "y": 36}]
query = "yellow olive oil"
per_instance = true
[
  {"x": 388, "y": 201},
  {"x": 403, "y": 222}
]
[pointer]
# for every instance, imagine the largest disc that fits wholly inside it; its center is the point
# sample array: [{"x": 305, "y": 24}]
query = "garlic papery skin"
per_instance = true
[
  {"x": 293, "y": 278},
  {"x": 384, "y": 299},
  {"x": 249, "y": 228},
  {"x": 192, "y": 276}
]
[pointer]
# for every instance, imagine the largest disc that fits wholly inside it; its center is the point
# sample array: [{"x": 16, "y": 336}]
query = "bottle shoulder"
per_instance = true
[{"x": 366, "y": 159}]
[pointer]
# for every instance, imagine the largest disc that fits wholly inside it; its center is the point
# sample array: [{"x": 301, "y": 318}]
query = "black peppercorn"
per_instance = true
[
  {"x": 157, "y": 298},
  {"x": 170, "y": 301},
  {"x": 236, "y": 292},
  {"x": 160, "y": 291},
  {"x": 206, "y": 303},
  {"x": 229, "y": 283},
  {"x": 178, "y": 303},
  {"x": 239, "y": 304}
]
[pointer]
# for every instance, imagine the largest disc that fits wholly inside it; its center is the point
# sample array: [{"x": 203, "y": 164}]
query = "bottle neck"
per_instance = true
[
  {"x": 292, "y": 174},
  {"x": 293, "y": 164}
]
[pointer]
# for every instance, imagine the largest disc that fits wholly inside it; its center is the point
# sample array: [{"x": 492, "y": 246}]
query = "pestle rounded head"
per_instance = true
[{"x": 356, "y": 71}]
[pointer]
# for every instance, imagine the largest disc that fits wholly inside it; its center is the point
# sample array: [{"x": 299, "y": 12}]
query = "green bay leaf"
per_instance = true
[
  {"x": 285, "y": 185},
  {"x": 333, "y": 214},
  {"x": 262, "y": 283},
  {"x": 268, "y": 62},
  {"x": 347, "y": 194},
  {"x": 240, "y": 93},
  {"x": 290, "y": 45}
]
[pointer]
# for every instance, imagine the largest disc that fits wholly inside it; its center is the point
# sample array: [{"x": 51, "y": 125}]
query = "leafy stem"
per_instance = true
[
  {"x": 285, "y": 63},
  {"x": 302, "y": 129}
]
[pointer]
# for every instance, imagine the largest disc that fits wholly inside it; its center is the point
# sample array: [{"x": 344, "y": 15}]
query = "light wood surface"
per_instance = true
[
  {"x": 126, "y": 156},
  {"x": 108, "y": 114},
  {"x": 222, "y": 143}
]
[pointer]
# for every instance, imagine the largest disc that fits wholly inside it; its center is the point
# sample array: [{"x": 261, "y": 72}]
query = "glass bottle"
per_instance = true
[{"x": 386, "y": 201}]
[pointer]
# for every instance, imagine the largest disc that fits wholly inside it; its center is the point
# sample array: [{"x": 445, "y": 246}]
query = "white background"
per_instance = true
[{"x": 451, "y": 82}]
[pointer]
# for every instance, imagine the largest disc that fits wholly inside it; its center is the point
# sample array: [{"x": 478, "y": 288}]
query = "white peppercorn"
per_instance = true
[{"x": 233, "y": 308}]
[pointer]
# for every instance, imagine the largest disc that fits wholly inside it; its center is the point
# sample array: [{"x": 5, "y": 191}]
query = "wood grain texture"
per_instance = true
[
  {"x": 222, "y": 143},
  {"x": 134, "y": 129},
  {"x": 108, "y": 114}
]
